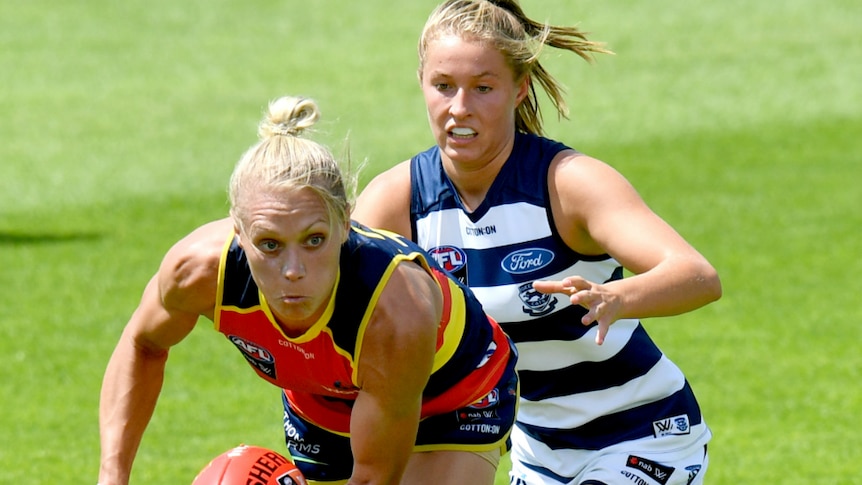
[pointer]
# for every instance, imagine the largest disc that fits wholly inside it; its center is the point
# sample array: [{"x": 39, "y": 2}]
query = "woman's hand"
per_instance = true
[{"x": 603, "y": 305}]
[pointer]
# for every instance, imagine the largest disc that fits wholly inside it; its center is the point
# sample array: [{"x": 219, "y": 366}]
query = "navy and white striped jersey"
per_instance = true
[{"x": 574, "y": 394}]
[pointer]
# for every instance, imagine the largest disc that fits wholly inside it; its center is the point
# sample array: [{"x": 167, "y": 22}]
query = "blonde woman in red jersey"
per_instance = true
[{"x": 390, "y": 371}]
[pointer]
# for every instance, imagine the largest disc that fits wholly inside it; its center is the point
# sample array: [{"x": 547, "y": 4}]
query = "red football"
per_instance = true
[{"x": 250, "y": 465}]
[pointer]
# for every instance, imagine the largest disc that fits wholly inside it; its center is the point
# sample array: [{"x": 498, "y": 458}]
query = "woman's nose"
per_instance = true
[
  {"x": 293, "y": 268},
  {"x": 458, "y": 107}
]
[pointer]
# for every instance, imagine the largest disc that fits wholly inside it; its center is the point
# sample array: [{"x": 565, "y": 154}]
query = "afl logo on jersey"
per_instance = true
[
  {"x": 258, "y": 357},
  {"x": 526, "y": 260},
  {"x": 491, "y": 399},
  {"x": 251, "y": 349},
  {"x": 450, "y": 258}
]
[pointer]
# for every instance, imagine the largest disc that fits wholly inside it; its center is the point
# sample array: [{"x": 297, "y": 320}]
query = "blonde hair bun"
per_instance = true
[{"x": 288, "y": 116}]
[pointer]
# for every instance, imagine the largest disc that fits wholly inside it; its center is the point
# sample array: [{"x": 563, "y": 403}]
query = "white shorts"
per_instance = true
[{"x": 639, "y": 462}]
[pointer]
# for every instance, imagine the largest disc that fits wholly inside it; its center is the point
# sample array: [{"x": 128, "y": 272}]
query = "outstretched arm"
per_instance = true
[
  {"x": 183, "y": 289},
  {"x": 131, "y": 385},
  {"x": 597, "y": 211}
]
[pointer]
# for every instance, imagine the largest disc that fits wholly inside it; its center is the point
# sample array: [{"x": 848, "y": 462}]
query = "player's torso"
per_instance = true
[
  {"x": 508, "y": 242},
  {"x": 323, "y": 360},
  {"x": 498, "y": 250}
]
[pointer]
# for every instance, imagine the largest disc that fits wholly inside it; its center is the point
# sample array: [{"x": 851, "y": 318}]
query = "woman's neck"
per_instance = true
[{"x": 473, "y": 179}]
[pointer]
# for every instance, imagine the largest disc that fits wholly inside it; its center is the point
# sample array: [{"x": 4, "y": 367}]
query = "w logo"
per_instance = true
[{"x": 676, "y": 425}]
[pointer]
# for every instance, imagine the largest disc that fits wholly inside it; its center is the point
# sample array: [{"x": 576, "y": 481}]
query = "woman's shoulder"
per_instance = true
[
  {"x": 385, "y": 201},
  {"x": 571, "y": 165},
  {"x": 204, "y": 244},
  {"x": 395, "y": 175},
  {"x": 188, "y": 275}
]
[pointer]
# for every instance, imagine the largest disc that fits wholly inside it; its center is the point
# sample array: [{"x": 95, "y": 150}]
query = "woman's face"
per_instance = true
[
  {"x": 292, "y": 252},
  {"x": 471, "y": 96}
]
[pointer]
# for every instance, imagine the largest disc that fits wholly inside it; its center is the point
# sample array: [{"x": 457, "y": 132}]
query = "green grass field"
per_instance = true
[{"x": 739, "y": 122}]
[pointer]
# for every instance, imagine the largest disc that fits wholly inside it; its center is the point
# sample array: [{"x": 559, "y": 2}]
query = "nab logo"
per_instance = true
[
  {"x": 450, "y": 258},
  {"x": 656, "y": 471}
]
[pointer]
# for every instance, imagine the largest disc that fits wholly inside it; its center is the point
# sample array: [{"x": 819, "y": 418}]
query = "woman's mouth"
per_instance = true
[
  {"x": 462, "y": 133},
  {"x": 292, "y": 299}
]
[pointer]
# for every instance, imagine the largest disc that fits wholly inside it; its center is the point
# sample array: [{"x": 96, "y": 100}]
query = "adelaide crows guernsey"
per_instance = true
[
  {"x": 317, "y": 370},
  {"x": 574, "y": 394}
]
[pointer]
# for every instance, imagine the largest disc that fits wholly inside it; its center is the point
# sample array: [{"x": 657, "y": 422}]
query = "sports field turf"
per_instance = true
[{"x": 739, "y": 123}]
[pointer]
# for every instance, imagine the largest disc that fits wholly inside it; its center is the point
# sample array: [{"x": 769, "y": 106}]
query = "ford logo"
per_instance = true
[{"x": 526, "y": 260}]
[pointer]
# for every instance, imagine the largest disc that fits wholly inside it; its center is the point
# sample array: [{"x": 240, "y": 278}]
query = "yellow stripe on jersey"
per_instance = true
[
  {"x": 454, "y": 331},
  {"x": 241, "y": 311},
  {"x": 221, "y": 271},
  {"x": 379, "y": 234},
  {"x": 315, "y": 329},
  {"x": 372, "y": 302}
]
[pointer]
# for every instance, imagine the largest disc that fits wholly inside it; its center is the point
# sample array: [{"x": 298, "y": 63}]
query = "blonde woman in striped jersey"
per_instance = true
[{"x": 541, "y": 234}]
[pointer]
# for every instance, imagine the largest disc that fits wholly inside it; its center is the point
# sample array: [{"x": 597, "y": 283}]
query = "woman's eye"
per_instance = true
[
  {"x": 315, "y": 241},
  {"x": 441, "y": 86},
  {"x": 269, "y": 246},
  {"x": 484, "y": 89}
]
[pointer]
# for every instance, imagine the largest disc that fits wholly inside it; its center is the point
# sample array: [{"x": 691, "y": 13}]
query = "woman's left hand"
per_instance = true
[{"x": 602, "y": 305}]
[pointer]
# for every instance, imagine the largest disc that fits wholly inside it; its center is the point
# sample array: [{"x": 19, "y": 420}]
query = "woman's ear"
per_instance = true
[
  {"x": 523, "y": 90},
  {"x": 346, "y": 233},
  {"x": 236, "y": 230}
]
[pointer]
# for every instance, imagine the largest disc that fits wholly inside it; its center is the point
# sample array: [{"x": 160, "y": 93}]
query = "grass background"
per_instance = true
[{"x": 120, "y": 122}]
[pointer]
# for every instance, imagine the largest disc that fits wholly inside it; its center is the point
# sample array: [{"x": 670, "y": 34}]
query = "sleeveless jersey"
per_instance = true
[
  {"x": 317, "y": 370},
  {"x": 574, "y": 394}
]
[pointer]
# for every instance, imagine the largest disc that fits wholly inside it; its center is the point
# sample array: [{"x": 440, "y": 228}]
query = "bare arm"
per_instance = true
[
  {"x": 394, "y": 365},
  {"x": 597, "y": 211},
  {"x": 183, "y": 289},
  {"x": 385, "y": 201}
]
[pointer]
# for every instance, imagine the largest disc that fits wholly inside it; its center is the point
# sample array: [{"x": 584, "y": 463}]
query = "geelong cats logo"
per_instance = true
[{"x": 535, "y": 304}]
